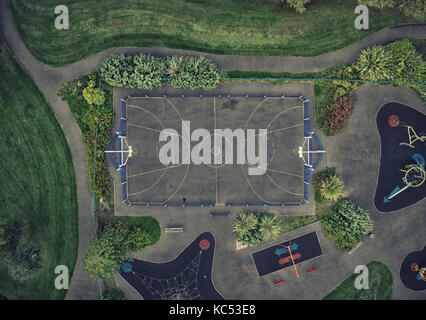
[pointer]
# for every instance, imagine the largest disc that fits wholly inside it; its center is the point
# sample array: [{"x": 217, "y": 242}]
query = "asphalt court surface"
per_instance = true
[{"x": 149, "y": 181}]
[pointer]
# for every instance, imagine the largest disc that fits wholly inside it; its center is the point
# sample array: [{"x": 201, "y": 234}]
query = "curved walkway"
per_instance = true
[{"x": 49, "y": 79}]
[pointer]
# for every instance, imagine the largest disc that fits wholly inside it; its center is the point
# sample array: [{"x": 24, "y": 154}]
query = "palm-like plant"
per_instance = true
[
  {"x": 331, "y": 189},
  {"x": 175, "y": 64},
  {"x": 245, "y": 224},
  {"x": 376, "y": 63},
  {"x": 269, "y": 227}
]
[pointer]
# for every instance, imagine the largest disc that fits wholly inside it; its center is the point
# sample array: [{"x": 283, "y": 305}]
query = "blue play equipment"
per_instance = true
[
  {"x": 126, "y": 267},
  {"x": 282, "y": 250},
  {"x": 420, "y": 161}
]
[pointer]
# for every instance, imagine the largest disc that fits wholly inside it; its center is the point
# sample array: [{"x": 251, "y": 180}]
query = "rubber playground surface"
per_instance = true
[
  {"x": 187, "y": 277},
  {"x": 396, "y": 153},
  {"x": 282, "y": 255},
  {"x": 151, "y": 182},
  {"x": 409, "y": 275}
]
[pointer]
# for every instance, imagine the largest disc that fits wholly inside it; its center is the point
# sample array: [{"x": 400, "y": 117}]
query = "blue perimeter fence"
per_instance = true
[{"x": 308, "y": 169}]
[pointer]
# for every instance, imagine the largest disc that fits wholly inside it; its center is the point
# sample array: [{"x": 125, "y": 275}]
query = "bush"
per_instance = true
[
  {"x": 376, "y": 63},
  {"x": 93, "y": 96},
  {"x": 148, "y": 72},
  {"x": 347, "y": 224},
  {"x": 338, "y": 113},
  {"x": 117, "y": 70},
  {"x": 193, "y": 73},
  {"x": 99, "y": 121}
]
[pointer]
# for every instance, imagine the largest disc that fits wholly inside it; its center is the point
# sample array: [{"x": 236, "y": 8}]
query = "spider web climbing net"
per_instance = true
[{"x": 183, "y": 286}]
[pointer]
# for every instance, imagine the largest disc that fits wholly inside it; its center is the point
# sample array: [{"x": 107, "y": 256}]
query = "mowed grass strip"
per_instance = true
[
  {"x": 380, "y": 285},
  {"x": 256, "y": 27},
  {"x": 37, "y": 181}
]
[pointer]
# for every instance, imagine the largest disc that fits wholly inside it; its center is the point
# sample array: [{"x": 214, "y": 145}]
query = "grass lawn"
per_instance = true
[
  {"x": 289, "y": 223},
  {"x": 380, "y": 283},
  {"x": 37, "y": 181},
  {"x": 258, "y": 27}
]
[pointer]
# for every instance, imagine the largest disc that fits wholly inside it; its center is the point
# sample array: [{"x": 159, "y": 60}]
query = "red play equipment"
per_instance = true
[{"x": 292, "y": 257}]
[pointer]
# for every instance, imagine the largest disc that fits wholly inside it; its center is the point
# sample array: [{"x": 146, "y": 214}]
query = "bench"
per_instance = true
[
  {"x": 173, "y": 229},
  {"x": 220, "y": 214}
]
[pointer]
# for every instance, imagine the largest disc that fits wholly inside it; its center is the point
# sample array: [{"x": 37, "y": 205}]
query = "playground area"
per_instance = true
[
  {"x": 293, "y": 151},
  {"x": 413, "y": 270},
  {"x": 288, "y": 254},
  {"x": 401, "y": 179},
  {"x": 188, "y": 277}
]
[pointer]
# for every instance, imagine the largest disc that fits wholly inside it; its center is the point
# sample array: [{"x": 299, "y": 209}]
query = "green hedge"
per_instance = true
[{"x": 148, "y": 72}]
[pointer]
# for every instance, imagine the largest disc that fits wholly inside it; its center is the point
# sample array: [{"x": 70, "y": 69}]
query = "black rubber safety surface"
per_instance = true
[
  {"x": 408, "y": 276},
  {"x": 268, "y": 261},
  {"x": 395, "y": 156},
  {"x": 188, "y": 277}
]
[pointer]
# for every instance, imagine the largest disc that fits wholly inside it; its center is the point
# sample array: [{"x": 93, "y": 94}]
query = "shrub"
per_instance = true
[
  {"x": 338, "y": 113},
  {"x": 98, "y": 121},
  {"x": 148, "y": 72},
  {"x": 93, "y": 95},
  {"x": 193, "y": 73},
  {"x": 376, "y": 63},
  {"x": 331, "y": 188},
  {"x": 117, "y": 70},
  {"x": 347, "y": 224}
]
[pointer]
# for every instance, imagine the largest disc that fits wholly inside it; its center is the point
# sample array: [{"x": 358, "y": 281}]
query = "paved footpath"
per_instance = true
[{"x": 49, "y": 79}]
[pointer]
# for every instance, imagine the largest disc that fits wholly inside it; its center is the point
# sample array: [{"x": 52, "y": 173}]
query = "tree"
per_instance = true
[
  {"x": 104, "y": 256},
  {"x": 109, "y": 249},
  {"x": 269, "y": 226},
  {"x": 253, "y": 227},
  {"x": 331, "y": 188},
  {"x": 245, "y": 224},
  {"x": 347, "y": 224}
]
